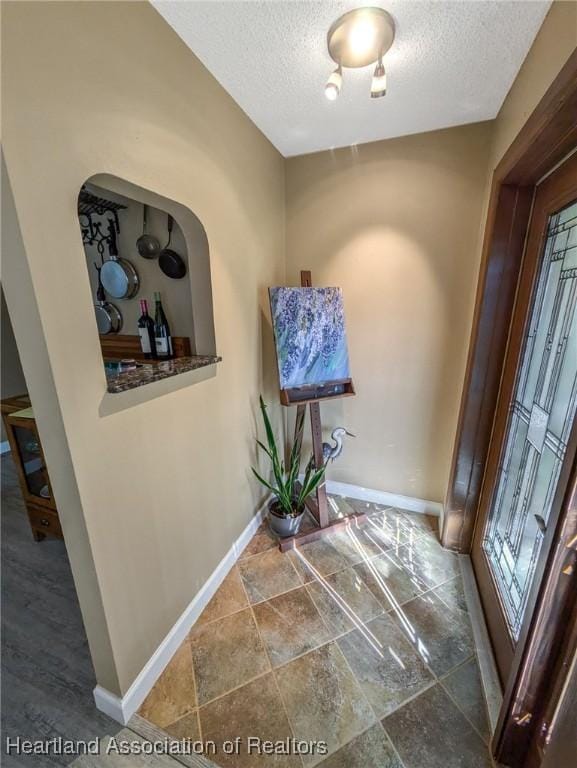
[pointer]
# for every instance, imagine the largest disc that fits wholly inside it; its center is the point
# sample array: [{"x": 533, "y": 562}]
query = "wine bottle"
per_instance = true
[
  {"x": 146, "y": 331},
  {"x": 162, "y": 332}
]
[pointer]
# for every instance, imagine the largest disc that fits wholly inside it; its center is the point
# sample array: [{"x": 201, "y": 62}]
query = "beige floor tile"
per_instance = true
[
  {"x": 344, "y": 601},
  {"x": 389, "y": 516},
  {"x": 226, "y": 653},
  {"x": 339, "y": 507},
  {"x": 397, "y": 525},
  {"x": 431, "y": 732},
  {"x": 290, "y": 625},
  {"x": 262, "y": 541},
  {"x": 229, "y": 598},
  {"x": 385, "y": 664},
  {"x": 372, "y": 749},
  {"x": 267, "y": 575},
  {"x": 384, "y": 532},
  {"x": 346, "y": 546},
  {"x": 442, "y": 634},
  {"x": 390, "y": 580},
  {"x": 173, "y": 694},
  {"x": 255, "y": 710},
  {"x": 384, "y": 529},
  {"x": 425, "y": 523},
  {"x": 317, "y": 557},
  {"x": 323, "y": 700},
  {"x": 186, "y": 727},
  {"x": 357, "y": 543},
  {"x": 465, "y": 687},
  {"x": 427, "y": 562},
  {"x": 453, "y": 594}
]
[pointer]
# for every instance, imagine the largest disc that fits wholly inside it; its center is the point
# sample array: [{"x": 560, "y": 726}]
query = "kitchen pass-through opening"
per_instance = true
[{"x": 148, "y": 265}]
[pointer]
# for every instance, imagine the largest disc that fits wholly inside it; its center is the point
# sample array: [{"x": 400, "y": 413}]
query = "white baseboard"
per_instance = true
[
  {"x": 4, "y": 447},
  {"x": 409, "y": 503},
  {"x": 487, "y": 665},
  {"x": 122, "y": 709}
]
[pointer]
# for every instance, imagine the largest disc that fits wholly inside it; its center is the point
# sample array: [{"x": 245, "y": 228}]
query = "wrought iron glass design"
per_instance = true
[{"x": 540, "y": 420}]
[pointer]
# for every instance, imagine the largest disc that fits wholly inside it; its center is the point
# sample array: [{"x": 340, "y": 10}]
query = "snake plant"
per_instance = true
[{"x": 290, "y": 494}]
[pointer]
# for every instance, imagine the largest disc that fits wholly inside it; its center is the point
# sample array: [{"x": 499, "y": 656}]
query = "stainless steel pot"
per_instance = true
[
  {"x": 108, "y": 317},
  {"x": 119, "y": 277}
]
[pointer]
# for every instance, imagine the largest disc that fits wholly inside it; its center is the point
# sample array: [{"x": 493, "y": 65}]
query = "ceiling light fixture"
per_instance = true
[
  {"x": 334, "y": 83},
  {"x": 357, "y": 39},
  {"x": 379, "y": 83}
]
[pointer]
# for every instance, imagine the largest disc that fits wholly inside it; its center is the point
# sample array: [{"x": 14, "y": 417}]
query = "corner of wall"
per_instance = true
[
  {"x": 555, "y": 41},
  {"x": 21, "y": 300}
]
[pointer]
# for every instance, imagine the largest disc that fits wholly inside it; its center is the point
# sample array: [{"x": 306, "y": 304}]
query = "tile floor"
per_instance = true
[{"x": 361, "y": 640}]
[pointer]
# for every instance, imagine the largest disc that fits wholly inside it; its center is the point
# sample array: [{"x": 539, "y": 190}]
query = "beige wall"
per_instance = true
[
  {"x": 13, "y": 382},
  {"x": 395, "y": 224},
  {"x": 553, "y": 45},
  {"x": 163, "y": 483}
]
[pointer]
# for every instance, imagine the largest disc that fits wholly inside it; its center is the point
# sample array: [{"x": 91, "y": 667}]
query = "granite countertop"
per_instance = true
[{"x": 122, "y": 380}]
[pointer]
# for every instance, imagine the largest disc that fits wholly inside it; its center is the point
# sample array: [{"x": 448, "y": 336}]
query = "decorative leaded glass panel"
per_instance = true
[{"x": 541, "y": 415}]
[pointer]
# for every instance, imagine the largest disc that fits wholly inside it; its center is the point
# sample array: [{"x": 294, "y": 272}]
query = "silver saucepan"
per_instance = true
[
  {"x": 108, "y": 317},
  {"x": 119, "y": 277}
]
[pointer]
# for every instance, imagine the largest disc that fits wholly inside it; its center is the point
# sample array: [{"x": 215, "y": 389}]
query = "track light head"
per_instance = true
[
  {"x": 379, "y": 83},
  {"x": 334, "y": 84}
]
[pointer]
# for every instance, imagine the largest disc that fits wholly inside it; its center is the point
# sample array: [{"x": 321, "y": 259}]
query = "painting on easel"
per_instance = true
[
  {"x": 310, "y": 337},
  {"x": 313, "y": 366}
]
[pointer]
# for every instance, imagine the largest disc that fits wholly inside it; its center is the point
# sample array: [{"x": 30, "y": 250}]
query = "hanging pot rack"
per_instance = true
[{"x": 89, "y": 206}]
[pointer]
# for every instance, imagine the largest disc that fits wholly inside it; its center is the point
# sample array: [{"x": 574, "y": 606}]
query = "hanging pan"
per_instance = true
[
  {"x": 147, "y": 245},
  {"x": 108, "y": 317},
  {"x": 119, "y": 277},
  {"x": 169, "y": 261}
]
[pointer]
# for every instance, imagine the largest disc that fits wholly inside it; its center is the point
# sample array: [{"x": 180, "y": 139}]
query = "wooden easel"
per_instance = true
[{"x": 311, "y": 397}]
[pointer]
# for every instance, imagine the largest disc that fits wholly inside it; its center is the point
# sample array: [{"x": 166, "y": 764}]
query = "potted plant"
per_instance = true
[{"x": 288, "y": 505}]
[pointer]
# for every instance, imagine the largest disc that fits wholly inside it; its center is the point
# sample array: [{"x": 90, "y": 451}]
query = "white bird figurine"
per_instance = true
[{"x": 332, "y": 452}]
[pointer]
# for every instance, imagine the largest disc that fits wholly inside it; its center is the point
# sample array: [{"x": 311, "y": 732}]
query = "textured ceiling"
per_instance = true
[{"x": 451, "y": 63}]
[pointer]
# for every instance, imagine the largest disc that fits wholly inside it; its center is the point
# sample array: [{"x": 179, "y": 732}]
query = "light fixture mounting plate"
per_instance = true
[{"x": 360, "y": 37}]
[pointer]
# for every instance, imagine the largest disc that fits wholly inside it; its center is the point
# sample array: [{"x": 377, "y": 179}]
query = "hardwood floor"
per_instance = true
[{"x": 47, "y": 674}]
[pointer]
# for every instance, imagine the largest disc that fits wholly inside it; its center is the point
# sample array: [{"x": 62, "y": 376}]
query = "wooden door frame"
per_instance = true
[
  {"x": 549, "y": 641},
  {"x": 546, "y": 138},
  {"x": 557, "y": 190}
]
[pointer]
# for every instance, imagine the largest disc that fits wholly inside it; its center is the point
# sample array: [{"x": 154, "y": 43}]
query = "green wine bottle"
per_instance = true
[{"x": 162, "y": 334}]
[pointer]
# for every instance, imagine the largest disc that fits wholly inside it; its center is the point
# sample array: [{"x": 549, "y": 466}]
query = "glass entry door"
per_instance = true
[
  {"x": 536, "y": 411},
  {"x": 542, "y": 413}
]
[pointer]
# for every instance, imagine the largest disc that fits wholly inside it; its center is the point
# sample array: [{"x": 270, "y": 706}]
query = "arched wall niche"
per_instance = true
[{"x": 187, "y": 301}]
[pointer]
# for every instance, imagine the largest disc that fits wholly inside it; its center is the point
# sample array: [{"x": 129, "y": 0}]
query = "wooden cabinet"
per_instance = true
[{"x": 28, "y": 458}]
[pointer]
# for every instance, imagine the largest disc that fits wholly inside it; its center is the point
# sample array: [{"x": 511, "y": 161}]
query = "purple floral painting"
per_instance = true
[{"x": 309, "y": 331}]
